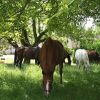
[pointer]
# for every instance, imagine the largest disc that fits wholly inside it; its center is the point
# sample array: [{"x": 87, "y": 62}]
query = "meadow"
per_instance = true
[{"x": 26, "y": 84}]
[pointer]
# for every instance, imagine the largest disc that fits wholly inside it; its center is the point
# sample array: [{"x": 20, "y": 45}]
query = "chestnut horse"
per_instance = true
[
  {"x": 26, "y": 53},
  {"x": 51, "y": 54}
]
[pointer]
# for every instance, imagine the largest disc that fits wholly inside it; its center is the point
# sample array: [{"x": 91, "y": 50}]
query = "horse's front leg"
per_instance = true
[
  {"x": 60, "y": 71},
  {"x": 20, "y": 62},
  {"x": 17, "y": 62}
]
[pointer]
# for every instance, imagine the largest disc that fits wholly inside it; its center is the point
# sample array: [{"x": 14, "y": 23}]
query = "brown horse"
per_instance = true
[
  {"x": 51, "y": 54},
  {"x": 93, "y": 56},
  {"x": 26, "y": 53}
]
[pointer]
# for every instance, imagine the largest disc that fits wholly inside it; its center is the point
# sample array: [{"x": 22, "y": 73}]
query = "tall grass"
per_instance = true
[{"x": 26, "y": 84}]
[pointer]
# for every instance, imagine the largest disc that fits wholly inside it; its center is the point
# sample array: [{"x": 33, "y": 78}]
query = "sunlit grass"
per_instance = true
[{"x": 26, "y": 83}]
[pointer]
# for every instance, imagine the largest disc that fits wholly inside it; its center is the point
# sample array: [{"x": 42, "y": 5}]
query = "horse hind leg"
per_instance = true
[
  {"x": 86, "y": 67},
  {"x": 60, "y": 71},
  {"x": 36, "y": 62},
  {"x": 17, "y": 62},
  {"x": 78, "y": 64},
  {"x": 20, "y": 62}
]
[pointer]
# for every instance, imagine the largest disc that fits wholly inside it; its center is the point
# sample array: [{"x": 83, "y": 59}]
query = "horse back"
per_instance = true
[
  {"x": 19, "y": 52},
  {"x": 51, "y": 54},
  {"x": 81, "y": 55}
]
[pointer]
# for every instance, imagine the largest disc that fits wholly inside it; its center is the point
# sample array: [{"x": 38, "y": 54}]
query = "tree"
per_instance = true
[
  {"x": 31, "y": 21},
  {"x": 69, "y": 19}
]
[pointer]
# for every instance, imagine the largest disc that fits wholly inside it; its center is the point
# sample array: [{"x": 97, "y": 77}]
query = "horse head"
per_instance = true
[{"x": 47, "y": 82}]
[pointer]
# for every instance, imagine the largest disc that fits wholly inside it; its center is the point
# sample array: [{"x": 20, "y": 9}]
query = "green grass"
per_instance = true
[{"x": 26, "y": 84}]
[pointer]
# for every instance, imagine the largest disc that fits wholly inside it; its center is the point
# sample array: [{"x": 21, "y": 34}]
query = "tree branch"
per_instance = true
[
  {"x": 34, "y": 29},
  {"x": 39, "y": 40},
  {"x": 24, "y": 38},
  {"x": 22, "y": 9},
  {"x": 12, "y": 42},
  {"x": 42, "y": 33}
]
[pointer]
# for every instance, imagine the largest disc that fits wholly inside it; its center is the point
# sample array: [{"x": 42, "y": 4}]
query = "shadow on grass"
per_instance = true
[
  {"x": 19, "y": 88},
  {"x": 77, "y": 85}
]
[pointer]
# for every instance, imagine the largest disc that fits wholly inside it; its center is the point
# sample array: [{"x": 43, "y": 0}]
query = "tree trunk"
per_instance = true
[
  {"x": 24, "y": 38},
  {"x": 12, "y": 42},
  {"x": 34, "y": 29},
  {"x": 39, "y": 38}
]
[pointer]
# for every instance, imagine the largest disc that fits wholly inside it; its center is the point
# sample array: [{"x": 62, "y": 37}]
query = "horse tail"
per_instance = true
[
  {"x": 69, "y": 59},
  {"x": 15, "y": 57}
]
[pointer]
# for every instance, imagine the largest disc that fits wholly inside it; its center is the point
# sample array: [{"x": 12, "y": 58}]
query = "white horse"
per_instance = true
[{"x": 81, "y": 57}]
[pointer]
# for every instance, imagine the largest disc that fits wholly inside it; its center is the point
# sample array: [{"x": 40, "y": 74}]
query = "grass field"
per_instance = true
[{"x": 26, "y": 84}]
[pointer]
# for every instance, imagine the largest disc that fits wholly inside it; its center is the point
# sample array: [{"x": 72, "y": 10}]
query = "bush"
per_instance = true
[
  {"x": 91, "y": 45},
  {"x": 96, "y": 46}
]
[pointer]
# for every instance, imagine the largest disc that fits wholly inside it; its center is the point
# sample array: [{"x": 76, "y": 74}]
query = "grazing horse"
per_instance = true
[
  {"x": 26, "y": 53},
  {"x": 81, "y": 57},
  {"x": 51, "y": 54},
  {"x": 93, "y": 56}
]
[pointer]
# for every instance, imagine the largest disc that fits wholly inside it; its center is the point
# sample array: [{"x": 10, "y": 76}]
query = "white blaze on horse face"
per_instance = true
[{"x": 47, "y": 86}]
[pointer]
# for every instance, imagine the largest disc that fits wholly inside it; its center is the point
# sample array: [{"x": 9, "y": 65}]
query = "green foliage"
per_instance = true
[
  {"x": 91, "y": 8},
  {"x": 91, "y": 45},
  {"x": 3, "y": 46},
  {"x": 63, "y": 17},
  {"x": 96, "y": 46}
]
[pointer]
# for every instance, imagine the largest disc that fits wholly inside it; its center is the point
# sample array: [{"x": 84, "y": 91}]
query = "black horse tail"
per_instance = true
[
  {"x": 69, "y": 59},
  {"x": 15, "y": 57}
]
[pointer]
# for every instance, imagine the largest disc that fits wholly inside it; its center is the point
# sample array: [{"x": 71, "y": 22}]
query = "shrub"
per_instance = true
[{"x": 91, "y": 45}]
